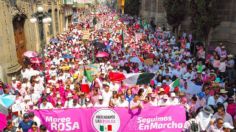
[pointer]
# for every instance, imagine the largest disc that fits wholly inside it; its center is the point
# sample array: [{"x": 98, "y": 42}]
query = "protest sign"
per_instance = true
[{"x": 168, "y": 119}]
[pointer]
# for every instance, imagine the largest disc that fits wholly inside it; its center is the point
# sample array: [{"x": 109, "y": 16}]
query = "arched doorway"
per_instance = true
[{"x": 19, "y": 34}]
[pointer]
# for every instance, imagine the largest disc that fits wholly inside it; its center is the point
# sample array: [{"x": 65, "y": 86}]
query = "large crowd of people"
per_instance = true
[{"x": 56, "y": 83}]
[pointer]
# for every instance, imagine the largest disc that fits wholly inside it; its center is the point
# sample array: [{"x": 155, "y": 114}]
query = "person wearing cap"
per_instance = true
[
  {"x": 201, "y": 99},
  {"x": 69, "y": 100},
  {"x": 204, "y": 117},
  {"x": 123, "y": 102},
  {"x": 163, "y": 100},
  {"x": 88, "y": 103},
  {"x": 221, "y": 113},
  {"x": 100, "y": 102},
  {"x": 26, "y": 123},
  {"x": 217, "y": 126},
  {"x": 38, "y": 88},
  {"x": 227, "y": 127},
  {"x": 173, "y": 100},
  {"x": 153, "y": 100},
  {"x": 223, "y": 96},
  {"x": 59, "y": 105},
  {"x": 45, "y": 104}
]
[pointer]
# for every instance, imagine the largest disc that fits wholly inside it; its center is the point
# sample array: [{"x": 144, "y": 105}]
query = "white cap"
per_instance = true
[
  {"x": 69, "y": 95},
  {"x": 30, "y": 103},
  {"x": 37, "y": 79},
  {"x": 48, "y": 90},
  {"x": 100, "y": 97},
  {"x": 27, "y": 97},
  {"x": 165, "y": 97},
  {"x": 159, "y": 84},
  {"x": 228, "y": 125},
  {"x": 13, "y": 78},
  {"x": 164, "y": 81},
  {"x": 87, "y": 99},
  {"x": 58, "y": 96},
  {"x": 172, "y": 94}
]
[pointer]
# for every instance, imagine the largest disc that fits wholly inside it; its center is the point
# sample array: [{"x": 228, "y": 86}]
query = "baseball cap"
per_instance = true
[{"x": 228, "y": 125}]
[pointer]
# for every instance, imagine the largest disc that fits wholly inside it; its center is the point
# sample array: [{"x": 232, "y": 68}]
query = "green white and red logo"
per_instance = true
[{"x": 106, "y": 120}]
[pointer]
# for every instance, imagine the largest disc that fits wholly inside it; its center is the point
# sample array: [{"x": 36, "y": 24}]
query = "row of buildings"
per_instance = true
[
  {"x": 18, "y": 34},
  {"x": 225, "y": 32}
]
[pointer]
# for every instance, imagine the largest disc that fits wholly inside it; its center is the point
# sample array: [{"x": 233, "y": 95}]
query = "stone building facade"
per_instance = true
[
  {"x": 225, "y": 32},
  {"x": 18, "y": 34},
  {"x": 153, "y": 9}
]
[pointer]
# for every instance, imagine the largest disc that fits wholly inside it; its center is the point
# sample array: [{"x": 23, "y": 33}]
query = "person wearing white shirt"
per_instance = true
[
  {"x": 88, "y": 103},
  {"x": 173, "y": 100},
  {"x": 38, "y": 88},
  {"x": 136, "y": 103},
  {"x": 204, "y": 118},
  {"x": 45, "y": 104},
  {"x": 69, "y": 101},
  {"x": 153, "y": 101},
  {"x": 163, "y": 101},
  {"x": 213, "y": 100},
  {"x": 74, "y": 104},
  {"x": 221, "y": 113},
  {"x": 106, "y": 94},
  {"x": 123, "y": 102},
  {"x": 100, "y": 102}
]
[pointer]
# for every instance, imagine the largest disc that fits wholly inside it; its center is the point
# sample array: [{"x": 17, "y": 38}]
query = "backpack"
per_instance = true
[{"x": 194, "y": 127}]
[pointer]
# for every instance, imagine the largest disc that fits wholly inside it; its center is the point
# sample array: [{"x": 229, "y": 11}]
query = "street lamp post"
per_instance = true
[{"x": 41, "y": 18}]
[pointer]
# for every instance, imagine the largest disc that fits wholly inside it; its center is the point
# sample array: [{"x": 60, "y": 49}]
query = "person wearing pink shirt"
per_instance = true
[{"x": 146, "y": 102}]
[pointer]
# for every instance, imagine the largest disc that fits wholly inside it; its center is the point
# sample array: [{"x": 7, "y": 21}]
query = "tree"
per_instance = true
[
  {"x": 204, "y": 19},
  {"x": 132, "y": 7},
  {"x": 176, "y": 10}
]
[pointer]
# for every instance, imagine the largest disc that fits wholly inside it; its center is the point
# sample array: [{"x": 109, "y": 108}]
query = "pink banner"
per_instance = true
[{"x": 158, "y": 119}]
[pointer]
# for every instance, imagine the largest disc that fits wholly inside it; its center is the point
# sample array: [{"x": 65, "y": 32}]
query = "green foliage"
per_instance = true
[
  {"x": 132, "y": 7},
  {"x": 176, "y": 11},
  {"x": 204, "y": 17}
]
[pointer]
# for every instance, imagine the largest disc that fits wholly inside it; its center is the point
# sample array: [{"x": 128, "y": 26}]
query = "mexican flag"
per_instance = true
[
  {"x": 116, "y": 76},
  {"x": 85, "y": 81},
  {"x": 131, "y": 79},
  {"x": 174, "y": 84},
  {"x": 85, "y": 86},
  {"x": 138, "y": 78},
  {"x": 105, "y": 128},
  {"x": 88, "y": 75}
]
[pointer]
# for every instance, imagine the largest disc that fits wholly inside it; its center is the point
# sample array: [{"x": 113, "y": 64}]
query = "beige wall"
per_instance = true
[{"x": 8, "y": 55}]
